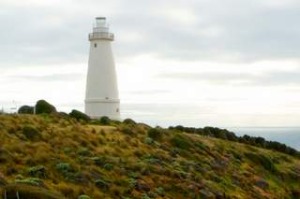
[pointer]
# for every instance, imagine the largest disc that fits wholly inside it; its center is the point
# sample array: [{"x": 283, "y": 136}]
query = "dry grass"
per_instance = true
[{"x": 74, "y": 158}]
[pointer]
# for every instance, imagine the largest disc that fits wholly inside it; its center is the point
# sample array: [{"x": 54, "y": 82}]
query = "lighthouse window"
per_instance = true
[{"x": 95, "y": 45}]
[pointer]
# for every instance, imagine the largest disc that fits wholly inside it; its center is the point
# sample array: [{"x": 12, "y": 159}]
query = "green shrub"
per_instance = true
[
  {"x": 30, "y": 181},
  {"x": 100, "y": 161},
  {"x": 44, "y": 107},
  {"x": 133, "y": 174},
  {"x": 108, "y": 166},
  {"x": 68, "y": 172},
  {"x": 64, "y": 167},
  {"x": 155, "y": 133},
  {"x": 104, "y": 120},
  {"x": 37, "y": 171},
  {"x": 79, "y": 115},
  {"x": 149, "y": 141},
  {"x": 129, "y": 122},
  {"x": 263, "y": 160},
  {"x": 102, "y": 184},
  {"x": 180, "y": 141},
  {"x": 150, "y": 159},
  {"x": 200, "y": 145},
  {"x": 31, "y": 132},
  {"x": 160, "y": 191},
  {"x": 145, "y": 196},
  {"x": 84, "y": 197},
  {"x": 26, "y": 110},
  {"x": 67, "y": 150},
  {"x": 132, "y": 182},
  {"x": 83, "y": 151},
  {"x": 127, "y": 130}
]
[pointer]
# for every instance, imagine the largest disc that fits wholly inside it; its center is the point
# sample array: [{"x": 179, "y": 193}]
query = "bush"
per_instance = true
[
  {"x": 83, "y": 151},
  {"x": 105, "y": 120},
  {"x": 160, "y": 191},
  {"x": 145, "y": 196},
  {"x": 67, "y": 171},
  {"x": 180, "y": 141},
  {"x": 155, "y": 133},
  {"x": 84, "y": 197},
  {"x": 79, "y": 115},
  {"x": 108, "y": 166},
  {"x": 30, "y": 181},
  {"x": 149, "y": 141},
  {"x": 99, "y": 161},
  {"x": 102, "y": 184},
  {"x": 37, "y": 171},
  {"x": 26, "y": 110},
  {"x": 63, "y": 167},
  {"x": 44, "y": 107},
  {"x": 151, "y": 159},
  {"x": 129, "y": 121},
  {"x": 127, "y": 130},
  {"x": 31, "y": 132},
  {"x": 263, "y": 160}
]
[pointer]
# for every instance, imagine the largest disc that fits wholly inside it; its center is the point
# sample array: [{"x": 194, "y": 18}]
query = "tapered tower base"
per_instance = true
[{"x": 109, "y": 108}]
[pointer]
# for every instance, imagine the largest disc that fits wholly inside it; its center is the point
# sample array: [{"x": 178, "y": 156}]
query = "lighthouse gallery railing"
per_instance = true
[{"x": 101, "y": 35}]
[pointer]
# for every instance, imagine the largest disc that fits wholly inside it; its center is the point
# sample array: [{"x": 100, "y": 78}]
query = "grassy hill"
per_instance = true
[{"x": 55, "y": 156}]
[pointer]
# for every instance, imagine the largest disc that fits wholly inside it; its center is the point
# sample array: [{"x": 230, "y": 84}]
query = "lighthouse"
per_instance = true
[{"x": 102, "y": 97}]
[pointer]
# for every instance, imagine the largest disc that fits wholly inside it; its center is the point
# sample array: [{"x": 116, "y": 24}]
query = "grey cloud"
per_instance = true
[
  {"x": 248, "y": 31},
  {"x": 30, "y": 36},
  {"x": 276, "y": 78},
  {"x": 215, "y": 78},
  {"x": 149, "y": 92},
  {"x": 51, "y": 77}
]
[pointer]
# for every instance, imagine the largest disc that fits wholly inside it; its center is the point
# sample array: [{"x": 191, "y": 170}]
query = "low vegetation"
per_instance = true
[
  {"x": 56, "y": 155},
  {"x": 43, "y": 106},
  {"x": 246, "y": 139}
]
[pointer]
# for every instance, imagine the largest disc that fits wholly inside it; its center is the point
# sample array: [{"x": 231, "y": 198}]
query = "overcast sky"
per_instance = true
[{"x": 191, "y": 62}]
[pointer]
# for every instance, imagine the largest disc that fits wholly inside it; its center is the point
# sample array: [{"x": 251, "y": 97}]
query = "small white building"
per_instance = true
[{"x": 102, "y": 96}]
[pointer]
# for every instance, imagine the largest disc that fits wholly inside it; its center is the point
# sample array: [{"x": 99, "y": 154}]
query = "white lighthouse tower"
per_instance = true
[{"x": 102, "y": 97}]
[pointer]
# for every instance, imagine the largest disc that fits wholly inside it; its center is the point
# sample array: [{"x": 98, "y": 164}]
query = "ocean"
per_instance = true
[{"x": 286, "y": 135}]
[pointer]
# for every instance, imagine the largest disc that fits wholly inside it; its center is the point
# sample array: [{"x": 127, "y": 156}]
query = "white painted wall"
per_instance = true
[{"x": 102, "y": 98}]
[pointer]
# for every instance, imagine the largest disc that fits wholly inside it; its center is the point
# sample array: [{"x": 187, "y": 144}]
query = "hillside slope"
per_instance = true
[{"x": 55, "y": 156}]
